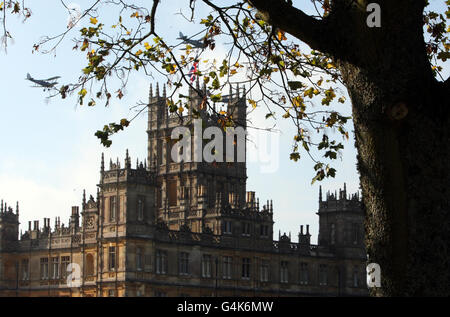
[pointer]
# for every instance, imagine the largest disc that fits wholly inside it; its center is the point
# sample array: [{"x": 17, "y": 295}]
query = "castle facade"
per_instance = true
[{"x": 165, "y": 228}]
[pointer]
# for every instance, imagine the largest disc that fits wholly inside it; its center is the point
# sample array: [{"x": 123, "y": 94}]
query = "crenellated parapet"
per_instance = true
[{"x": 125, "y": 174}]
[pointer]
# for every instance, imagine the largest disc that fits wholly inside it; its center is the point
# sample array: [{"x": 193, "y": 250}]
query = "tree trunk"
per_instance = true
[{"x": 401, "y": 118}]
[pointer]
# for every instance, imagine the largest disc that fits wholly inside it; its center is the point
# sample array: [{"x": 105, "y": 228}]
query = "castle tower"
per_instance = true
[
  {"x": 9, "y": 226},
  {"x": 126, "y": 199},
  {"x": 341, "y": 221},
  {"x": 194, "y": 192}
]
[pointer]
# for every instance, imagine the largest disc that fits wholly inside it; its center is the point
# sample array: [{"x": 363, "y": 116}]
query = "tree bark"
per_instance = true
[{"x": 401, "y": 118}]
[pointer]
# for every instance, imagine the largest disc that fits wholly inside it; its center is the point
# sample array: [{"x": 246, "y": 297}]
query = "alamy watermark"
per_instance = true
[
  {"x": 213, "y": 144},
  {"x": 373, "y": 275}
]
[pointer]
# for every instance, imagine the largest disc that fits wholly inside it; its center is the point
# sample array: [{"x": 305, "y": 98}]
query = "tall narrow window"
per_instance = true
[
  {"x": 25, "y": 270},
  {"x": 140, "y": 208},
  {"x": 264, "y": 231},
  {"x": 206, "y": 265},
  {"x": 55, "y": 268},
  {"x": 172, "y": 192},
  {"x": 183, "y": 263},
  {"x": 264, "y": 271},
  {"x": 65, "y": 261},
  {"x": 227, "y": 266},
  {"x": 227, "y": 227},
  {"x": 44, "y": 268},
  {"x": 284, "y": 272},
  {"x": 112, "y": 208},
  {"x": 89, "y": 264},
  {"x": 355, "y": 277},
  {"x": 323, "y": 274},
  {"x": 333, "y": 234},
  {"x": 139, "y": 265},
  {"x": 304, "y": 274},
  {"x": 161, "y": 262},
  {"x": 246, "y": 229},
  {"x": 159, "y": 198},
  {"x": 112, "y": 258},
  {"x": 355, "y": 233},
  {"x": 245, "y": 268}
]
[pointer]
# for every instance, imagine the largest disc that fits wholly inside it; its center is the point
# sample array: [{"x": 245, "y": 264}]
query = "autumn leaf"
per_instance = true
[{"x": 93, "y": 20}]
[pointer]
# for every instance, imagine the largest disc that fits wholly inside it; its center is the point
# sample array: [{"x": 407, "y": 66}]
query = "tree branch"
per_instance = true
[{"x": 315, "y": 33}]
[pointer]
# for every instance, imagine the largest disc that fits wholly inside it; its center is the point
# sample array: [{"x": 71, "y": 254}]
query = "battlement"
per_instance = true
[
  {"x": 7, "y": 213},
  {"x": 339, "y": 202},
  {"x": 117, "y": 174},
  {"x": 159, "y": 116}
]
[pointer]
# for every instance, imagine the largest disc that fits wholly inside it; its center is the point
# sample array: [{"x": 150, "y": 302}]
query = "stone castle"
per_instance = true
[{"x": 163, "y": 228}]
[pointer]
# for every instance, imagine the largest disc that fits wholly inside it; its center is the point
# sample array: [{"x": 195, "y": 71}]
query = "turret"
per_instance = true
[
  {"x": 9, "y": 226},
  {"x": 341, "y": 222}
]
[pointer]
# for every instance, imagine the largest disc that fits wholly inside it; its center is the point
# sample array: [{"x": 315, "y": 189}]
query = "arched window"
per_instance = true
[{"x": 89, "y": 264}]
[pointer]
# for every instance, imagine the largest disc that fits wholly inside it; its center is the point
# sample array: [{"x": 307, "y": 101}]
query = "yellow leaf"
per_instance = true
[
  {"x": 281, "y": 36},
  {"x": 138, "y": 53},
  {"x": 252, "y": 102},
  {"x": 94, "y": 21},
  {"x": 147, "y": 46},
  {"x": 181, "y": 109},
  {"x": 233, "y": 71}
]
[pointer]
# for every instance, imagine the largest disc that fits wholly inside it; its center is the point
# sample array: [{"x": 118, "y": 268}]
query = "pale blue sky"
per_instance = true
[{"x": 49, "y": 154}]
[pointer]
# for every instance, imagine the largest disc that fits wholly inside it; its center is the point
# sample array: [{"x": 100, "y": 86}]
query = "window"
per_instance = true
[
  {"x": 246, "y": 229},
  {"x": 159, "y": 198},
  {"x": 304, "y": 275},
  {"x": 184, "y": 263},
  {"x": 112, "y": 208},
  {"x": 139, "y": 265},
  {"x": 140, "y": 208},
  {"x": 226, "y": 269},
  {"x": 112, "y": 264},
  {"x": 355, "y": 233},
  {"x": 264, "y": 271},
  {"x": 355, "y": 277},
  {"x": 55, "y": 268},
  {"x": 333, "y": 234},
  {"x": 284, "y": 272},
  {"x": 65, "y": 261},
  {"x": 44, "y": 268},
  {"x": 172, "y": 192},
  {"x": 161, "y": 262},
  {"x": 25, "y": 270},
  {"x": 111, "y": 293},
  {"x": 227, "y": 227},
  {"x": 147, "y": 262},
  {"x": 89, "y": 264},
  {"x": 206, "y": 265},
  {"x": 323, "y": 274},
  {"x": 245, "y": 268},
  {"x": 264, "y": 231}
]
